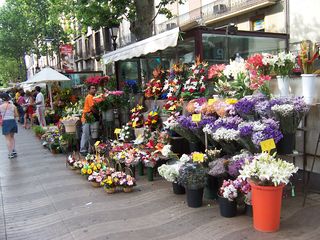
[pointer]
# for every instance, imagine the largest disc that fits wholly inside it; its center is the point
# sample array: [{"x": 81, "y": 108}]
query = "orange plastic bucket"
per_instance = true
[{"x": 266, "y": 204}]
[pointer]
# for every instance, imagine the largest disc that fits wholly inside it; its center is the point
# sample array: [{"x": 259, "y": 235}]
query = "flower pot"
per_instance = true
[
  {"x": 309, "y": 87},
  {"x": 94, "y": 130},
  {"x": 194, "y": 197},
  {"x": 212, "y": 187},
  {"x": 228, "y": 208},
  {"x": 283, "y": 85},
  {"x": 109, "y": 190},
  {"x": 266, "y": 203},
  {"x": 133, "y": 171},
  {"x": 178, "y": 189},
  {"x": 128, "y": 189},
  {"x": 150, "y": 172},
  {"x": 108, "y": 115},
  {"x": 140, "y": 169},
  {"x": 286, "y": 144},
  {"x": 95, "y": 184}
]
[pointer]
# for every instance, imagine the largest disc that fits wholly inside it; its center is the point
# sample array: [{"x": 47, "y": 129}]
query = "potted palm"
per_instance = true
[
  {"x": 267, "y": 176},
  {"x": 193, "y": 175}
]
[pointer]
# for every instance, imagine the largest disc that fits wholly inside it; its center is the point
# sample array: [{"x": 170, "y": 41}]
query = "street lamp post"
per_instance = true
[{"x": 114, "y": 35}]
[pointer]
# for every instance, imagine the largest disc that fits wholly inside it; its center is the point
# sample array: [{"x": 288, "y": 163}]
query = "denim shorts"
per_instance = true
[{"x": 9, "y": 126}]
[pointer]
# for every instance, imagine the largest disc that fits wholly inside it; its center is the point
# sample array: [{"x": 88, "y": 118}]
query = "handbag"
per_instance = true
[{"x": 2, "y": 116}]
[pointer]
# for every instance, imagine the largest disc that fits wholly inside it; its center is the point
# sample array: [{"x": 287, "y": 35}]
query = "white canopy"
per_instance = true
[
  {"x": 149, "y": 45},
  {"x": 48, "y": 75}
]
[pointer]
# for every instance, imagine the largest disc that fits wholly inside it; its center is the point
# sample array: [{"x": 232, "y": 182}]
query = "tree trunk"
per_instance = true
[{"x": 143, "y": 25}]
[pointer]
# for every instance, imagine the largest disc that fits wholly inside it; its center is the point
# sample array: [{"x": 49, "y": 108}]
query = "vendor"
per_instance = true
[
  {"x": 87, "y": 109},
  {"x": 40, "y": 107}
]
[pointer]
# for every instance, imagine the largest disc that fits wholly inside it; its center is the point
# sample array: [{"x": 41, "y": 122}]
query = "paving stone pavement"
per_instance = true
[{"x": 41, "y": 199}]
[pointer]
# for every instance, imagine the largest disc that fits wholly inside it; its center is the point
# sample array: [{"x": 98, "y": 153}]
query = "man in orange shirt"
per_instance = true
[{"x": 87, "y": 108}]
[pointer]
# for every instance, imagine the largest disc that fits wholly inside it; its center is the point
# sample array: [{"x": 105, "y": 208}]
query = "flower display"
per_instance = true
[
  {"x": 308, "y": 53},
  {"x": 173, "y": 82},
  {"x": 228, "y": 190},
  {"x": 267, "y": 170},
  {"x": 152, "y": 119},
  {"x": 126, "y": 133},
  {"x": 172, "y": 105},
  {"x": 192, "y": 175},
  {"x": 216, "y": 71},
  {"x": 282, "y": 63}
]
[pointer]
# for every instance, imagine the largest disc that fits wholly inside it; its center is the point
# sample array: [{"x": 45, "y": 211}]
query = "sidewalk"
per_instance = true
[{"x": 41, "y": 199}]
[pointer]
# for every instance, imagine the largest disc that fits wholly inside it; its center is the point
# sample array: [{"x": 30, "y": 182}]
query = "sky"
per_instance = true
[{"x": 2, "y": 2}]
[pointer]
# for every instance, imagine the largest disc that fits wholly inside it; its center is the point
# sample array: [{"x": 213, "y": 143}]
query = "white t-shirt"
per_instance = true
[{"x": 40, "y": 98}]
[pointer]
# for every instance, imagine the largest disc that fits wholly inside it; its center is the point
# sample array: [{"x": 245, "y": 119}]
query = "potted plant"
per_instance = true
[
  {"x": 193, "y": 177},
  {"x": 227, "y": 199},
  {"x": 38, "y": 131},
  {"x": 267, "y": 176},
  {"x": 127, "y": 182},
  {"x": 308, "y": 53}
]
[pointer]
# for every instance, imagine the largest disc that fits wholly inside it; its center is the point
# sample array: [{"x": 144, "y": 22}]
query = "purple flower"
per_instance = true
[
  {"x": 186, "y": 122},
  {"x": 235, "y": 166},
  {"x": 246, "y": 129},
  {"x": 245, "y": 106},
  {"x": 206, "y": 120},
  {"x": 263, "y": 108},
  {"x": 227, "y": 122}
]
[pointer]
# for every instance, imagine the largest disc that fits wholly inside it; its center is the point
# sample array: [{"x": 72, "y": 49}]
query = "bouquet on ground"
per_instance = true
[
  {"x": 193, "y": 175},
  {"x": 97, "y": 177},
  {"x": 233, "y": 189},
  {"x": 267, "y": 170}
]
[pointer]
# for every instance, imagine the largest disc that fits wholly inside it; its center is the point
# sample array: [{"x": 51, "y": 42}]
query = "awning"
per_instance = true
[{"x": 143, "y": 47}]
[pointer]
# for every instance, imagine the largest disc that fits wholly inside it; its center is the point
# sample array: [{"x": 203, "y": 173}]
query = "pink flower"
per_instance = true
[
  {"x": 215, "y": 71},
  {"x": 98, "y": 179}
]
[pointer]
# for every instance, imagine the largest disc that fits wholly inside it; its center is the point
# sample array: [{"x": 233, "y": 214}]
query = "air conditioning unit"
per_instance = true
[
  {"x": 219, "y": 8},
  {"x": 170, "y": 26}
]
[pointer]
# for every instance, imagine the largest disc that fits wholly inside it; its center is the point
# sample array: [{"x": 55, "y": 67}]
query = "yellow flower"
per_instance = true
[
  {"x": 83, "y": 170},
  {"x": 99, "y": 165},
  {"x": 154, "y": 121},
  {"x": 91, "y": 165},
  {"x": 95, "y": 168},
  {"x": 231, "y": 100},
  {"x": 89, "y": 171}
]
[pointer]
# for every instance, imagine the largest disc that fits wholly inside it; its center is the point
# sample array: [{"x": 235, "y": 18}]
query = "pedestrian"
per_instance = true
[
  {"x": 87, "y": 109},
  {"x": 40, "y": 107},
  {"x": 21, "y": 106},
  {"x": 9, "y": 113},
  {"x": 29, "y": 110}
]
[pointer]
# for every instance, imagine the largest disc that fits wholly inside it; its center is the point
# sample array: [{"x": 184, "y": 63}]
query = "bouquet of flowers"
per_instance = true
[
  {"x": 149, "y": 159},
  {"x": 216, "y": 71},
  {"x": 126, "y": 133},
  {"x": 172, "y": 105},
  {"x": 170, "y": 172},
  {"x": 192, "y": 175},
  {"x": 136, "y": 118},
  {"x": 183, "y": 128},
  {"x": 195, "y": 84},
  {"x": 127, "y": 181},
  {"x": 97, "y": 176},
  {"x": 152, "y": 119},
  {"x": 195, "y": 105},
  {"x": 282, "y": 63},
  {"x": 173, "y": 82},
  {"x": 289, "y": 112},
  {"x": 97, "y": 80},
  {"x": 267, "y": 170},
  {"x": 308, "y": 54},
  {"x": 155, "y": 85},
  {"x": 228, "y": 190},
  {"x": 236, "y": 162}
]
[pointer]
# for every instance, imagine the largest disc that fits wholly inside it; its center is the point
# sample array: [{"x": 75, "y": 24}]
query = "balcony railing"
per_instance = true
[{"x": 213, "y": 11}]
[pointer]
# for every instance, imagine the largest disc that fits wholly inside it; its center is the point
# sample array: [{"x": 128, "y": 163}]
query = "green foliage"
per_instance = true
[
  {"x": 10, "y": 71},
  {"x": 38, "y": 130}
]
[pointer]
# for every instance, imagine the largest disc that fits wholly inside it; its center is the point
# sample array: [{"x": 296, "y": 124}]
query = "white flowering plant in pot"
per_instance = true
[{"x": 267, "y": 170}]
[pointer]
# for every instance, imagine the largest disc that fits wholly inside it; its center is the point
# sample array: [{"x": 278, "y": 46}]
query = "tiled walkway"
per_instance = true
[{"x": 41, "y": 199}]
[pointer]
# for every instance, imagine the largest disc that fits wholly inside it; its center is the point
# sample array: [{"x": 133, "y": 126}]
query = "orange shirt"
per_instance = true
[{"x": 88, "y": 103}]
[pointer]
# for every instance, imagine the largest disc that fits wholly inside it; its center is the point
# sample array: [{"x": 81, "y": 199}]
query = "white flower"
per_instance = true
[
  {"x": 225, "y": 134},
  {"x": 235, "y": 68},
  {"x": 284, "y": 109},
  {"x": 166, "y": 150},
  {"x": 184, "y": 158}
]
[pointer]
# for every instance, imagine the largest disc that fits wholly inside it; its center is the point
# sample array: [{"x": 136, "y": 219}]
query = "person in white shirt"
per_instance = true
[{"x": 40, "y": 107}]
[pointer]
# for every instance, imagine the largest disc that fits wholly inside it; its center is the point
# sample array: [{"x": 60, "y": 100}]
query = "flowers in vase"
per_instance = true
[
  {"x": 282, "y": 63},
  {"x": 308, "y": 53},
  {"x": 267, "y": 170}
]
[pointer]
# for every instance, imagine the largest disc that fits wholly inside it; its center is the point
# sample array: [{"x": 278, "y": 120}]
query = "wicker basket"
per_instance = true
[
  {"x": 95, "y": 184},
  {"x": 128, "y": 189},
  {"x": 110, "y": 190}
]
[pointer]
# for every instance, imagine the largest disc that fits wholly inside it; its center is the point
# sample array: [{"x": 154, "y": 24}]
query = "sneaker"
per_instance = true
[
  {"x": 11, "y": 155},
  {"x": 14, "y": 152}
]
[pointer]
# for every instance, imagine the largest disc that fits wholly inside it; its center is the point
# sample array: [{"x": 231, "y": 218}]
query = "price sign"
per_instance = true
[
  {"x": 117, "y": 130},
  {"x": 267, "y": 145},
  {"x": 196, "y": 117},
  {"x": 198, "y": 157},
  {"x": 211, "y": 101}
]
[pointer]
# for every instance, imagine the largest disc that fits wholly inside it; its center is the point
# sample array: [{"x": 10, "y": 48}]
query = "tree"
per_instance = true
[{"x": 106, "y": 13}]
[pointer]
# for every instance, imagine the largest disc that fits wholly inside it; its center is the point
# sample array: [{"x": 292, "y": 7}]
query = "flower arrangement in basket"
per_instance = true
[
  {"x": 155, "y": 85},
  {"x": 136, "y": 118},
  {"x": 96, "y": 177},
  {"x": 118, "y": 180}
]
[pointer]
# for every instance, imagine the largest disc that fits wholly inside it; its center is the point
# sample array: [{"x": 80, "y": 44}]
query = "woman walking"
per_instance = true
[
  {"x": 29, "y": 110},
  {"x": 9, "y": 114}
]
